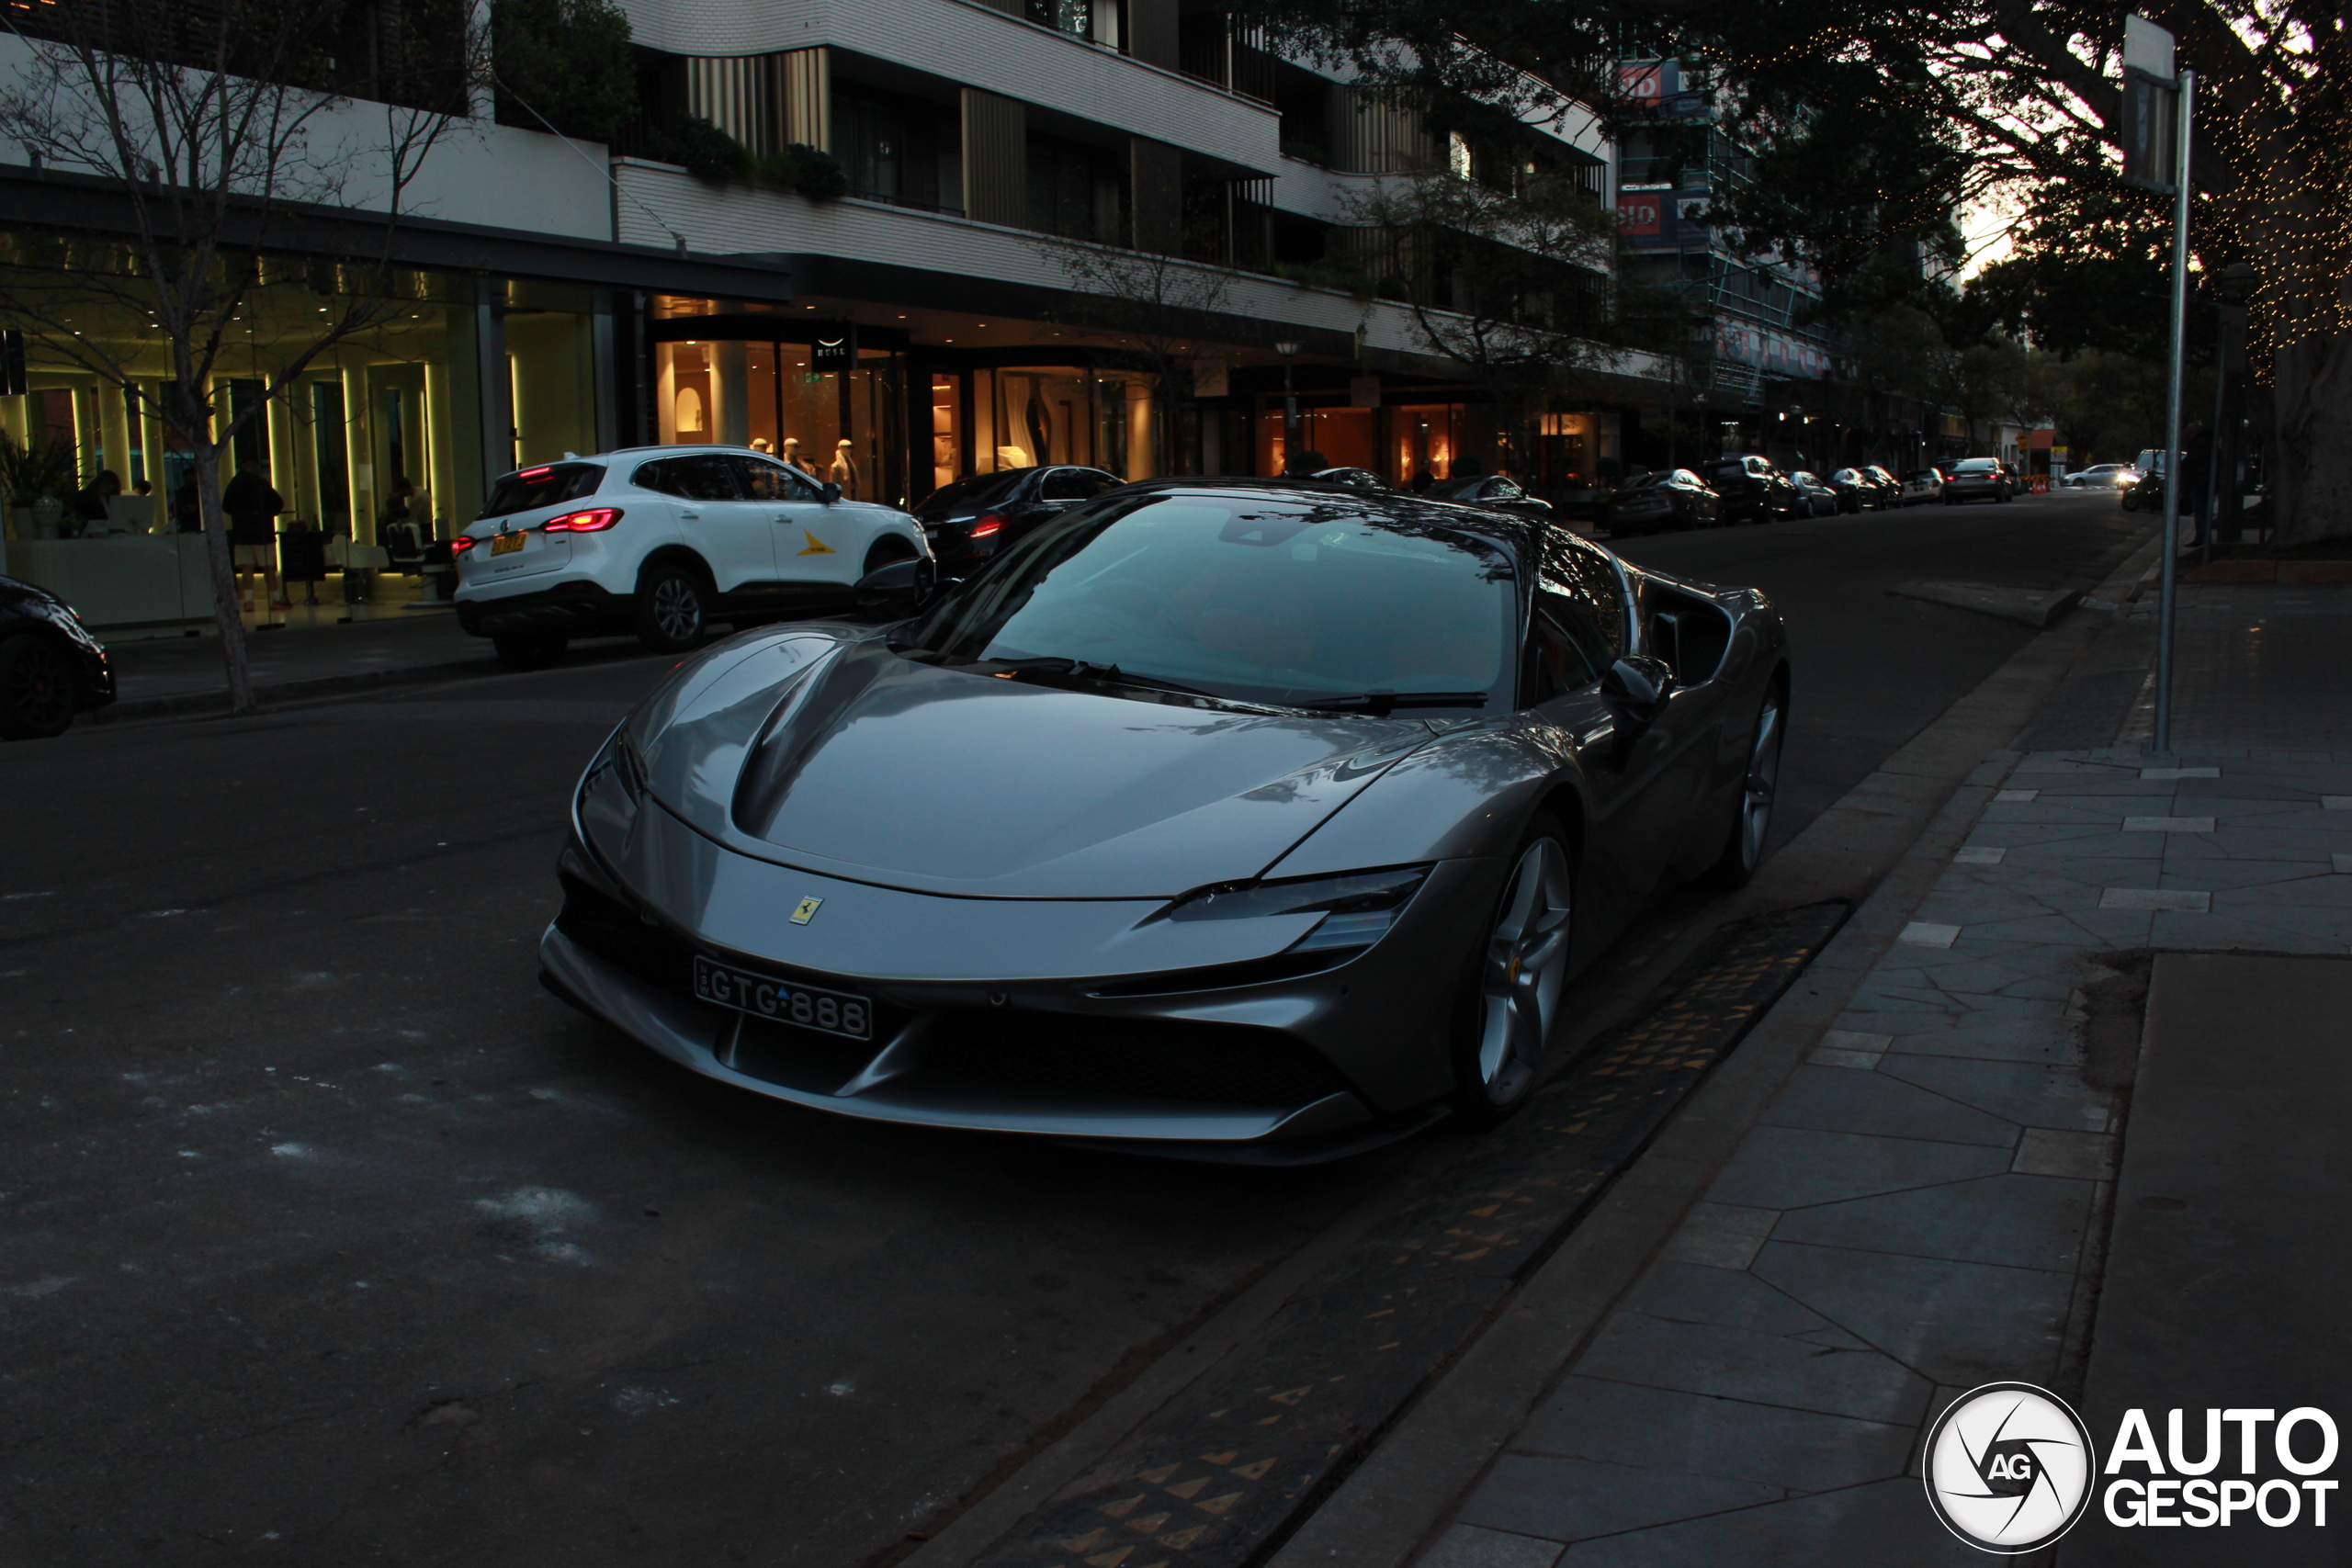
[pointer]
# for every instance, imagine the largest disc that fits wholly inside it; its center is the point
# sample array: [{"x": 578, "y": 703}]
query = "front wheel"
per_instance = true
[
  {"x": 1752, "y": 810},
  {"x": 673, "y": 608},
  {"x": 37, "y": 688},
  {"x": 1511, "y": 997}
]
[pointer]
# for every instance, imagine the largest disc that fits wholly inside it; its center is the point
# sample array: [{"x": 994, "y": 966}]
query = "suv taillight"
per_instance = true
[
  {"x": 594, "y": 522},
  {"x": 459, "y": 545}
]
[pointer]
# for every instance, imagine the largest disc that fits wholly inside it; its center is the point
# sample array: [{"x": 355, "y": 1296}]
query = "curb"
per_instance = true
[
  {"x": 1408, "y": 1489},
  {"x": 285, "y": 691},
  {"x": 2025, "y": 606}
]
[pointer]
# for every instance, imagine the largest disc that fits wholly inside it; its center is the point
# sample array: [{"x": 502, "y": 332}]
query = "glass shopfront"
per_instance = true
[{"x": 380, "y": 446}]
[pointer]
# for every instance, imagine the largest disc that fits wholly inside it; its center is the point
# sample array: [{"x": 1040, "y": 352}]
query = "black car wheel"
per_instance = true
[
  {"x": 37, "y": 692},
  {"x": 531, "y": 652},
  {"x": 672, "y": 607},
  {"x": 1511, "y": 997},
  {"x": 1751, "y": 819}
]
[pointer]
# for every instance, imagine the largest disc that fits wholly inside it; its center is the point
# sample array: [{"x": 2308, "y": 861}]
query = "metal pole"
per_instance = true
[
  {"x": 2213, "y": 439},
  {"x": 2160, "y": 742}
]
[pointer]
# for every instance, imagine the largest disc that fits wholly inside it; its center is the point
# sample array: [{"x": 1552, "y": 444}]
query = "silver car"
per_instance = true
[
  {"x": 1219, "y": 818},
  {"x": 1972, "y": 478}
]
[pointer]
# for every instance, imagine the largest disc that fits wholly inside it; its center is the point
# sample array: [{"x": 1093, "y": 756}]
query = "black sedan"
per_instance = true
[
  {"x": 1499, "y": 490},
  {"x": 50, "y": 667},
  {"x": 1660, "y": 502},
  {"x": 974, "y": 518},
  {"x": 1865, "y": 490},
  {"x": 1815, "y": 496},
  {"x": 1753, "y": 490}
]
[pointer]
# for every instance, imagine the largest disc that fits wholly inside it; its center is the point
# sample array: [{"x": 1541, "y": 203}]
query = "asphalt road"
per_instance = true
[{"x": 326, "y": 1237}]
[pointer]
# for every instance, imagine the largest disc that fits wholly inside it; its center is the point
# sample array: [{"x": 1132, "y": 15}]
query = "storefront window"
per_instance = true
[{"x": 838, "y": 426}]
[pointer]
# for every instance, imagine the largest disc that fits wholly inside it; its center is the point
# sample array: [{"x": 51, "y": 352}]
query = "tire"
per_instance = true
[
  {"x": 529, "y": 652},
  {"x": 1510, "y": 1004},
  {"x": 38, "y": 694},
  {"x": 886, "y": 549},
  {"x": 672, "y": 607},
  {"x": 1751, "y": 819}
]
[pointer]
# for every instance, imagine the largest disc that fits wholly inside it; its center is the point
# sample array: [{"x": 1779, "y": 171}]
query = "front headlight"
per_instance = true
[
  {"x": 1357, "y": 909},
  {"x": 609, "y": 793}
]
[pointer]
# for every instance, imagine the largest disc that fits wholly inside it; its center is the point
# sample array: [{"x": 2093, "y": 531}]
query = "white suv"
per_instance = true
[{"x": 662, "y": 541}]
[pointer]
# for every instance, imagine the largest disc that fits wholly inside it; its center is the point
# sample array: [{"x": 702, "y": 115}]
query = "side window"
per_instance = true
[
  {"x": 1585, "y": 584},
  {"x": 1098, "y": 483},
  {"x": 1558, "y": 659},
  {"x": 764, "y": 480},
  {"x": 658, "y": 476},
  {"x": 1065, "y": 484},
  {"x": 706, "y": 476}
]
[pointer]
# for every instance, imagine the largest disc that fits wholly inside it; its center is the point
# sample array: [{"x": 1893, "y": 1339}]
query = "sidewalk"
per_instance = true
[{"x": 1924, "y": 1203}]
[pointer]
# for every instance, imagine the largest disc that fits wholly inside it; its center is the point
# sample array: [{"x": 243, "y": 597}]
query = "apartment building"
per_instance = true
[{"x": 1089, "y": 232}]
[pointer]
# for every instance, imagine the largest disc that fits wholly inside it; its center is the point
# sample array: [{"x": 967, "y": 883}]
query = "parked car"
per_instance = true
[
  {"x": 2102, "y": 476},
  {"x": 1498, "y": 491},
  {"x": 1975, "y": 479},
  {"x": 1354, "y": 479},
  {"x": 50, "y": 667},
  {"x": 974, "y": 518},
  {"x": 662, "y": 541},
  {"x": 1865, "y": 490},
  {"x": 1814, "y": 498},
  {"x": 1751, "y": 490},
  {"x": 1922, "y": 484},
  {"x": 1190, "y": 872},
  {"x": 1658, "y": 502}
]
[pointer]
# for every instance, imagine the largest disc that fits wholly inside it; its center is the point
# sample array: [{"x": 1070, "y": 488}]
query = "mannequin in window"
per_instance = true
[
  {"x": 844, "y": 469},
  {"x": 793, "y": 459}
]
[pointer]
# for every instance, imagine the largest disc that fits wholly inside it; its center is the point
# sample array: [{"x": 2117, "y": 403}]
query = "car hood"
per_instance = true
[{"x": 827, "y": 752}]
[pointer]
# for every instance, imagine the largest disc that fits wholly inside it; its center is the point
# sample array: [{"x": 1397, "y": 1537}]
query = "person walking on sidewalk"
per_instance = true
[{"x": 253, "y": 507}]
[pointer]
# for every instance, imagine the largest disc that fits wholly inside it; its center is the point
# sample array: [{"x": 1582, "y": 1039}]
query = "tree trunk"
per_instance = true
[
  {"x": 2311, "y": 488},
  {"x": 222, "y": 560}
]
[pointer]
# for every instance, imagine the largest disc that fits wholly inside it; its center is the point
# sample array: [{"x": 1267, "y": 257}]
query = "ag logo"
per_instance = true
[
  {"x": 806, "y": 911},
  {"x": 2008, "y": 1468}
]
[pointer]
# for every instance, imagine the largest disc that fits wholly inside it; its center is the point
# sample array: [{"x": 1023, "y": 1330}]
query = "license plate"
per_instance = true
[
  {"x": 785, "y": 1002},
  {"x": 506, "y": 544}
]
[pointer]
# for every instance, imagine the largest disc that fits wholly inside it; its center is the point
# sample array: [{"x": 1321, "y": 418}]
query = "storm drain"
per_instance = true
[{"x": 1225, "y": 1470}]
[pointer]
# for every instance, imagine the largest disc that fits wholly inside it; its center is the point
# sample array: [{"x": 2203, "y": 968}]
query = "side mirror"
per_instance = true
[
  {"x": 895, "y": 592},
  {"x": 832, "y": 493},
  {"x": 1636, "y": 688}
]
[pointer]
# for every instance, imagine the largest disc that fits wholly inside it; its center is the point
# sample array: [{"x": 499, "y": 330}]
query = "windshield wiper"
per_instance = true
[
  {"x": 1109, "y": 674},
  {"x": 1378, "y": 703}
]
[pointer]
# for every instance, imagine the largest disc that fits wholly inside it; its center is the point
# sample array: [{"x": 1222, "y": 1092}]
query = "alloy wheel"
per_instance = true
[
  {"x": 1761, "y": 784},
  {"x": 677, "y": 609},
  {"x": 1525, "y": 965},
  {"x": 38, "y": 697}
]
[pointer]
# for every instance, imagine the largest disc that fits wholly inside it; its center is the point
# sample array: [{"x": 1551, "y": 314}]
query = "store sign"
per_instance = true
[
  {"x": 834, "y": 348},
  {"x": 2150, "y": 106}
]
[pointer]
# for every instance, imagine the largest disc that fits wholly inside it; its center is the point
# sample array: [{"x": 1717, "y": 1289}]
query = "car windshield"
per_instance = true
[
  {"x": 1976, "y": 466},
  {"x": 1250, "y": 598},
  {"x": 977, "y": 490},
  {"x": 549, "y": 485}
]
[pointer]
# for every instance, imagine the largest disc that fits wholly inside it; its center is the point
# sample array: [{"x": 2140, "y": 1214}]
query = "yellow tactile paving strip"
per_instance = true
[{"x": 1232, "y": 1461}]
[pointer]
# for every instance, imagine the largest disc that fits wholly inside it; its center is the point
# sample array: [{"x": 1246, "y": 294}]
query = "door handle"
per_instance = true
[{"x": 690, "y": 516}]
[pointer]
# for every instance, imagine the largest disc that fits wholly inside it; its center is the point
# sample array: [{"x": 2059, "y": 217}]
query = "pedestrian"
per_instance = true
[
  {"x": 90, "y": 503},
  {"x": 1423, "y": 479},
  {"x": 253, "y": 507},
  {"x": 2195, "y": 477}
]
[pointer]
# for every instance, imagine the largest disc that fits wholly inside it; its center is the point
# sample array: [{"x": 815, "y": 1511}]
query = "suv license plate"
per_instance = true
[
  {"x": 506, "y": 544},
  {"x": 785, "y": 1002}
]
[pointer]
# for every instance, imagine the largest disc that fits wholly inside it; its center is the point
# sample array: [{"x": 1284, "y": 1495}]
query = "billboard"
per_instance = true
[{"x": 1662, "y": 219}]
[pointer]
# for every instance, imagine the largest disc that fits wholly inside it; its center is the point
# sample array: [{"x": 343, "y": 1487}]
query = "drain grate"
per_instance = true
[{"x": 1228, "y": 1467}]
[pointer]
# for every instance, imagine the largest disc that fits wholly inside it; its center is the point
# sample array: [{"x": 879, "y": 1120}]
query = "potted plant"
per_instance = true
[{"x": 35, "y": 476}]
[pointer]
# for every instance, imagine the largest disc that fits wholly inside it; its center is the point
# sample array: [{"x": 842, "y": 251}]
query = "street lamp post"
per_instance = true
[{"x": 1289, "y": 351}]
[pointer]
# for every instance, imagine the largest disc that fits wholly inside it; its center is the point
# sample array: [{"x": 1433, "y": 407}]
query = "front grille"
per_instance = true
[
  {"x": 614, "y": 932},
  {"x": 1216, "y": 1064}
]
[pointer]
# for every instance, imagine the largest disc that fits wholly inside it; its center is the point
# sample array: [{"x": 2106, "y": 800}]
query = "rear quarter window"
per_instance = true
[{"x": 550, "y": 486}]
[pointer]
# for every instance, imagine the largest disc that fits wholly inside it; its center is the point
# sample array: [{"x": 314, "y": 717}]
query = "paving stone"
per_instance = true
[
  {"x": 2053, "y": 1047},
  {"x": 1720, "y": 1235},
  {"x": 1740, "y": 1363},
  {"x": 1829, "y": 1101},
  {"x": 2180, "y": 900},
  {"x": 2004, "y": 797},
  {"x": 2031, "y": 845},
  {"x": 1790, "y": 1168},
  {"x": 1885, "y": 1522},
  {"x": 2045, "y": 1151},
  {"x": 1923, "y": 934},
  {"x": 2025, "y": 1221},
  {"x": 2180, "y": 772},
  {"x": 2087, "y": 927},
  {"x": 1952, "y": 1322},
  {"x": 2215, "y": 875},
  {"x": 1690, "y": 1293},
  {"x": 2343, "y": 864},
  {"x": 2168, "y": 824},
  {"x": 2335, "y": 802},
  {"x": 2024, "y": 1093},
  {"x": 1467, "y": 1546},
  {"x": 1572, "y": 1499},
  {"x": 1800, "y": 1451},
  {"x": 1972, "y": 855}
]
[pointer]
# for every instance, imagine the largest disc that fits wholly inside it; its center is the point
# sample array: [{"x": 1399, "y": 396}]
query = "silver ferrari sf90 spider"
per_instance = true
[{"x": 1226, "y": 819}]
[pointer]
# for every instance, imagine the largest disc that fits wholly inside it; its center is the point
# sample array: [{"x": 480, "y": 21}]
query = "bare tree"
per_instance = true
[
  {"x": 218, "y": 125},
  {"x": 1504, "y": 268},
  {"x": 1153, "y": 309}
]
